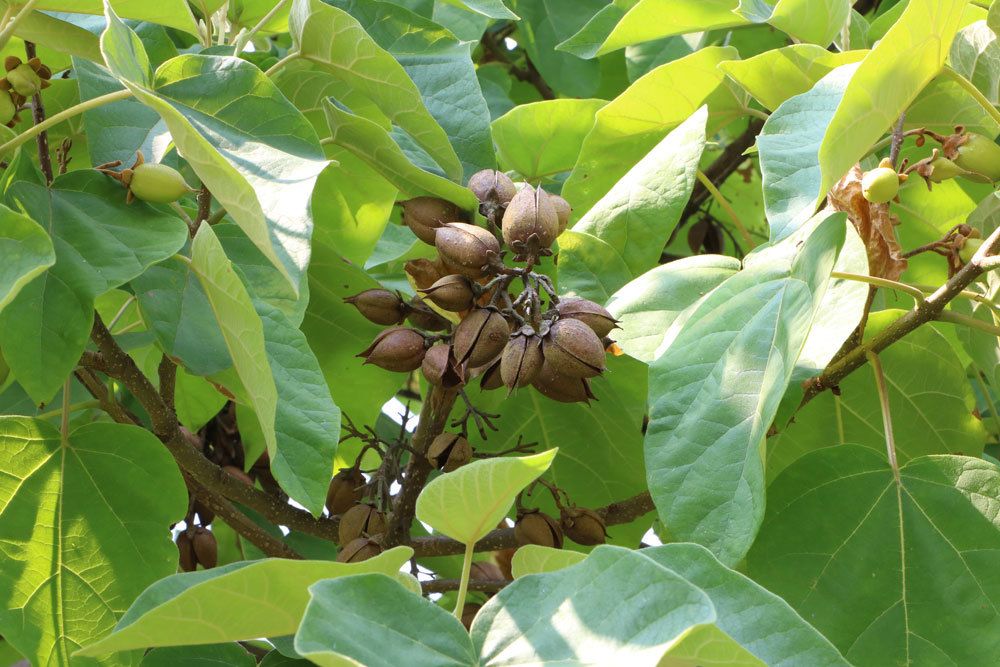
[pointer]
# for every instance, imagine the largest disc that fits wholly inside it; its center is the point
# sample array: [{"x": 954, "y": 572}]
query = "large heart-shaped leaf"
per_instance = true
[
  {"x": 27, "y": 252},
  {"x": 883, "y": 564},
  {"x": 817, "y": 21},
  {"x": 77, "y": 515},
  {"x": 209, "y": 606},
  {"x": 715, "y": 390},
  {"x": 173, "y": 13},
  {"x": 99, "y": 243}
]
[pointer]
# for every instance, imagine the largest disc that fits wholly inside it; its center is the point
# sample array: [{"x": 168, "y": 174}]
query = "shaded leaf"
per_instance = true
[{"x": 27, "y": 252}]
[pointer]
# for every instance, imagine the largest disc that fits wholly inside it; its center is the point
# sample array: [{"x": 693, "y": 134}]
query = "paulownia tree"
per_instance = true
[{"x": 485, "y": 332}]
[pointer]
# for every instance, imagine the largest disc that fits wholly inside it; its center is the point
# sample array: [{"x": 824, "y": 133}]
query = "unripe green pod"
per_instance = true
[
  {"x": 880, "y": 185},
  {"x": 7, "y": 108},
  {"x": 24, "y": 80},
  {"x": 157, "y": 183},
  {"x": 980, "y": 156},
  {"x": 942, "y": 169},
  {"x": 969, "y": 249}
]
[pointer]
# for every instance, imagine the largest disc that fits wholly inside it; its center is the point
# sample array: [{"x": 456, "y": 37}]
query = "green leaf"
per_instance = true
[
  {"x": 263, "y": 176},
  {"x": 210, "y": 606},
  {"x": 887, "y": 576},
  {"x": 99, "y": 243},
  {"x": 975, "y": 54},
  {"x": 653, "y": 306},
  {"x": 27, "y": 252},
  {"x": 776, "y": 75},
  {"x": 307, "y": 422},
  {"x": 196, "y": 400},
  {"x": 484, "y": 489},
  {"x": 124, "y": 53},
  {"x": 534, "y": 559},
  {"x": 641, "y": 211},
  {"x": 222, "y": 655},
  {"x": 60, "y": 36},
  {"x": 276, "y": 659},
  {"x": 616, "y": 607},
  {"x": 334, "y": 41},
  {"x": 542, "y": 139},
  {"x": 714, "y": 392},
  {"x": 494, "y": 9},
  {"x": 589, "y": 267},
  {"x": 817, "y": 21},
  {"x": 84, "y": 528},
  {"x": 241, "y": 327},
  {"x": 930, "y": 401},
  {"x": 172, "y": 13},
  {"x": 633, "y": 123},
  {"x": 345, "y": 616}
]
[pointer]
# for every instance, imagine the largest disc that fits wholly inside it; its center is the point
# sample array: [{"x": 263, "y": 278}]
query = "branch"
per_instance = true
[
  {"x": 495, "y": 51},
  {"x": 445, "y": 585},
  {"x": 38, "y": 116}
]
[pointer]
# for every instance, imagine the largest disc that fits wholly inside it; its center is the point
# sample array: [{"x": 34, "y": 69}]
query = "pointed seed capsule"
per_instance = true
[
  {"x": 379, "y": 306},
  {"x": 572, "y": 348},
  {"x": 480, "y": 337},
  {"x": 397, "y": 349}
]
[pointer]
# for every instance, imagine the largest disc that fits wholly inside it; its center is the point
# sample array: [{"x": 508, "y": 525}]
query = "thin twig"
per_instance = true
[
  {"x": 727, "y": 207},
  {"x": 883, "y": 398},
  {"x": 38, "y": 116}
]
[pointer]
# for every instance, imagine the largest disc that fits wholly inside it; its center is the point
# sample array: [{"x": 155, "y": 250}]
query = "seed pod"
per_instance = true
[
  {"x": 422, "y": 317},
  {"x": 522, "y": 358},
  {"x": 534, "y": 527},
  {"x": 880, "y": 184},
  {"x": 563, "y": 211},
  {"x": 480, "y": 337},
  {"x": 440, "y": 368},
  {"x": 979, "y": 155},
  {"x": 469, "y": 612},
  {"x": 379, "y": 306},
  {"x": 563, "y": 388},
  {"x": 969, "y": 249},
  {"x": 453, "y": 292},
  {"x": 449, "y": 451},
  {"x": 24, "y": 80},
  {"x": 7, "y": 108},
  {"x": 492, "y": 187},
  {"x": 583, "y": 526},
  {"x": 490, "y": 378},
  {"x": 157, "y": 183},
  {"x": 398, "y": 349},
  {"x": 238, "y": 473},
  {"x": 942, "y": 169},
  {"x": 530, "y": 223},
  {"x": 572, "y": 348},
  {"x": 424, "y": 272},
  {"x": 206, "y": 550},
  {"x": 358, "y": 550},
  {"x": 593, "y": 315},
  {"x": 467, "y": 248},
  {"x": 485, "y": 570},
  {"x": 185, "y": 552},
  {"x": 346, "y": 488},
  {"x": 362, "y": 520},
  {"x": 425, "y": 215},
  {"x": 205, "y": 515}
]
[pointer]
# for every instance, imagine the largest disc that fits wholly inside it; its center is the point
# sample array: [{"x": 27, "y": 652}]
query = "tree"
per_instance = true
[{"x": 472, "y": 332}]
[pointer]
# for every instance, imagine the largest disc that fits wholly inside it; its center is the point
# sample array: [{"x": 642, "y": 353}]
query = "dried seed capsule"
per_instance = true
[
  {"x": 534, "y": 527},
  {"x": 185, "y": 552},
  {"x": 358, "y": 550},
  {"x": 467, "y": 248},
  {"x": 424, "y": 272},
  {"x": 490, "y": 378},
  {"x": 593, "y": 315},
  {"x": 449, "y": 451},
  {"x": 583, "y": 526},
  {"x": 205, "y": 515},
  {"x": 522, "y": 358},
  {"x": 492, "y": 186},
  {"x": 480, "y": 337},
  {"x": 422, "y": 317},
  {"x": 440, "y": 368},
  {"x": 563, "y": 211},
  {"x": 453, "y": 292},
  {"x": 572, "y": 348},
  {"x": 563, "y": 388},
  {"x": 206, "y": 550},
  {"x": 425, "y": 215},
  {"x": 157, "y": 183},
  {"x": 530, "y": 223},
  {"x": 398, "y": 349},
  {"x": 379, "y": 306},
  {"x": 362, "y": 520},
  {"x": 485, "y": 570},
  {"x": 346, "y": 488}
]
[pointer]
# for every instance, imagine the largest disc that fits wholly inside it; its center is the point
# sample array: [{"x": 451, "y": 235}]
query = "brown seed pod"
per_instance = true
[
  {"x": 480, "y": 337},
  {"x": 425, "y": 215},
  {"x": 358, "y": 550},
  {"x": 440, "y": 368},
  {"x": 530, "y": 223},
  {"x": 379, "y": 306},
  {"x": 422, "y": 317},
  {"x": 449, "y": 451},
  {"x": 593, "y": 315},
  {"x": 534, "y": 527},
  {"x": 469, "y": 612},
  {"x": 346, "y": 488},
  {"x": 185, "y": 552},
  {"x": 453, "y": 292},
  {"x": 572, "y": 348},
  {"x": 466, "y": 248},
  {"x": 362, "y": 520},
  {"x": 238, "y": 473},
  {"x": 563, "y": 388},
  {"x": 424, "y": 272},
  {"x": 397, "y": 349},
  {"x": 563, "y": 211},
  {"x": 583, "y": 526},
  {"x": 206, "y": 550},
  {"x": 205, "y": 515},
  {"x": 490, "y": 378},
  {"x": 521, "y": 359},
  {"x": 492, "y": 187},
  {"x": 485, "y": 570}
]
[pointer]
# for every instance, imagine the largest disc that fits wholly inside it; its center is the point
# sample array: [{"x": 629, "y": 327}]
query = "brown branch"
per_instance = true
[
  {"x": 167, "y": 372},
  {"x": 494, "y": 50},
  {"x": 204, "y": 206},
  {"x": 38, "y": 116},
  {"x": 445, "y": 585},
  {"x": 433, "y": 418}
]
